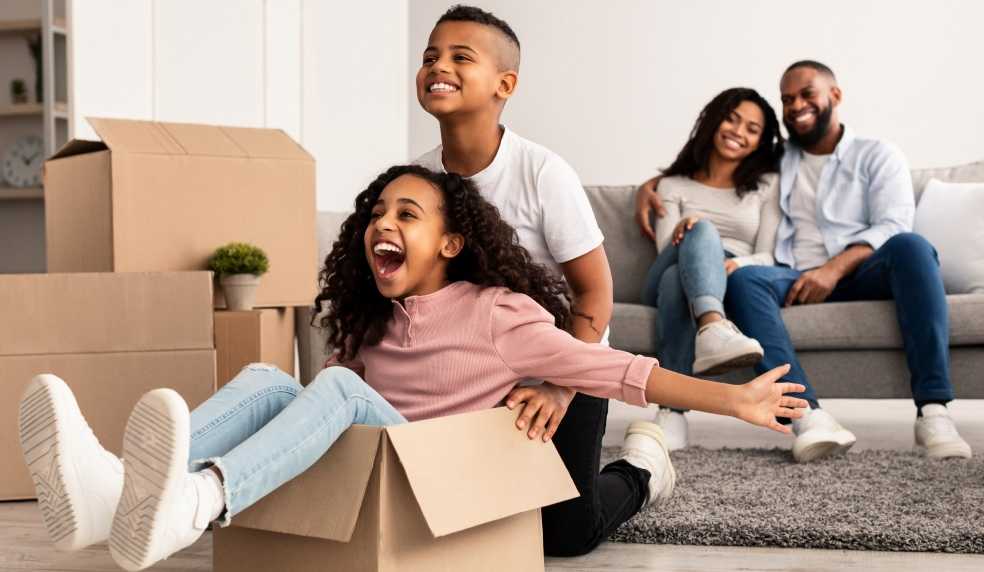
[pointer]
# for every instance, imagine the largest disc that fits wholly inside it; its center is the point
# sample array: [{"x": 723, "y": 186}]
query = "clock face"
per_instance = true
[{"x": 22, "y": 162}]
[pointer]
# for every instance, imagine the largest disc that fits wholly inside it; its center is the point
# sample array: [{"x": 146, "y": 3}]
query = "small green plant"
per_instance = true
[{"x": 239, "y": 258}]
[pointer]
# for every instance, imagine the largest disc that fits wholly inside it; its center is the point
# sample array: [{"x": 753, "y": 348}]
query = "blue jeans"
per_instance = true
[
  {"x": 263, "y": 428},
  {"x": 905, "y": 269},
  {"x": 685, "y": 282}
]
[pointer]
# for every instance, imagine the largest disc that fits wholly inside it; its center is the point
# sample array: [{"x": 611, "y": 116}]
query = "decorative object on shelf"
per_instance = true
[
  {"x": 239, "y": 266},
  {"x": 18, "y": 91},
  {"x": 22, "y": 162},
  {"x": 34, "y": 43}
]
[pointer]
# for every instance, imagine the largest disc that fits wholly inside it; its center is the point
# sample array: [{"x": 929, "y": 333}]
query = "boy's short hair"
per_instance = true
[{"x": 463, "y": 13}]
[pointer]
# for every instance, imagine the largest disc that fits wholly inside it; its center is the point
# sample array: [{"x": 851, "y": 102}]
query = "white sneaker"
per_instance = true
[
  {"x": 644, "y": 448},
  {"x": 720, "y": 346},
  {"x": 164, "y": 508},
  {"x": 936, "y": 435},
  {"x": 78, "y": 483},
  {"x": 674, "y": 426},
  {"x": 819, "y": 435}
]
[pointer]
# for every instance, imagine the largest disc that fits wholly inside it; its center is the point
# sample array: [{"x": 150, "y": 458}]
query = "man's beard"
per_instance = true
[{"x": 821, "y": 127}]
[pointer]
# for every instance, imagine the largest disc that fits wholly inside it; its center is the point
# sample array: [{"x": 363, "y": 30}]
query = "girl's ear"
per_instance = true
[{"x": 452, "y": 245}]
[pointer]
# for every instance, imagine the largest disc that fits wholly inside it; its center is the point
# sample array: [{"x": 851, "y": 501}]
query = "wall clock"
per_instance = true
[{"x": 22, "y": 162}]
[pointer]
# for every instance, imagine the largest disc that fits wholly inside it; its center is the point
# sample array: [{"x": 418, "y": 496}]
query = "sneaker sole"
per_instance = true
[
  {"x": 947, "y": 451},
  {"x": 43, "y": 409},
  {"x": 823, "y": 449},
  {"x": 155, "y": 453},
  {"x": 716, "y": 365}
]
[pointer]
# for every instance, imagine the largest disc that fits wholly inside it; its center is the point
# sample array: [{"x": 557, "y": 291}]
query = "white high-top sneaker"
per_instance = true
[
  {"x": 164, "y": 508},
  {"x": 819, "y": 435},
  {"x": 644, "y": 448},
  {"x": 78, "y": 483},
  {"x": 936, "y": 435},
  {"x": 675, "y": 430},
  {"x": 720, "y": 346}
]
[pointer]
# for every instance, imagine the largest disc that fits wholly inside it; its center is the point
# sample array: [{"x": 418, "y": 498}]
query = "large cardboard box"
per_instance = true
[
  {"x": 455, "y": 493},
  {"x": 163, "y": 196},
  {"x": 111, "y": 337},
  {"x": 245, "y": 337}
]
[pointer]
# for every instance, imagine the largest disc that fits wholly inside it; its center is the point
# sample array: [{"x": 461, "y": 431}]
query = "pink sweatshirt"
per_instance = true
[{"x": 464, "y": 348}]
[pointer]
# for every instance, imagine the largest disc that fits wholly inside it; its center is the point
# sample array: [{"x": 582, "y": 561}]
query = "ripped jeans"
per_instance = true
[{"x": 263, "y": 428}]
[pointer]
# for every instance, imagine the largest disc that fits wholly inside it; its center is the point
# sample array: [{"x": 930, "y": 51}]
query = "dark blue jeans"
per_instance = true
[{"x": 905, "y": 269}]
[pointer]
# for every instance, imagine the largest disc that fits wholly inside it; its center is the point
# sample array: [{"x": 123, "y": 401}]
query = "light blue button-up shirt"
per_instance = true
[{"x": 864, "y": 196}]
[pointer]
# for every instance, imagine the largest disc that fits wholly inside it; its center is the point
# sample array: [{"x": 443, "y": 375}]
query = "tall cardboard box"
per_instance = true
[
  {"x": 163, "y": 196},
  {"x": 455, "y": 493},
  {"x": 111, "y": 337},
  {"x": 245, "y": 337}
]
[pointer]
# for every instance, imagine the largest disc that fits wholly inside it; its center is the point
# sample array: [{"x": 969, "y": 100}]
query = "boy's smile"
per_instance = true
[{"x": 406, "y": 244}]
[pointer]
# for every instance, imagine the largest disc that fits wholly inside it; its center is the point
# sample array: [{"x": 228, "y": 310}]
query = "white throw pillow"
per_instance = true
[{"x": 951, "y": 217}]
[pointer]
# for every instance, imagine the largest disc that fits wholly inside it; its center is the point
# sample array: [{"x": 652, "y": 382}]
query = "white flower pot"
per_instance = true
[{"x": 239, "y": 290}]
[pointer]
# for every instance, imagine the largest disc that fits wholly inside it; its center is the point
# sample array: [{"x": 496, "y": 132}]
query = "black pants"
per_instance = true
[{"x": 608, "y": 498}]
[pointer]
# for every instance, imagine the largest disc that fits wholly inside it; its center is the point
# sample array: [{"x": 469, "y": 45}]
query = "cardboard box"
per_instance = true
[
  {"x": 163, "y": 196},
  {"x": 242, "y": 338},
  {"x": 455, "y": 493},
  {"x": 111, "y": 337}
]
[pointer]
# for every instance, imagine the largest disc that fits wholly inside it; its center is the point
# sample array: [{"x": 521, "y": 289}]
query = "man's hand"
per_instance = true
[
  {"x": 647, "y": 201},
  {"x": 814, "y": 286},
  {"x": 730, "y": 266},
  {"x": 546, "y": 401},
  {"x": 761, "y": 400}
]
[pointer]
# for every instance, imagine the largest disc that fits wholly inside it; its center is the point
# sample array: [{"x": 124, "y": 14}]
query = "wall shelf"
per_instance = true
[
  {"x": 16, "y": 194},
  {"x": 21, "y": 109},
  {"x": 19, "y": 26}
]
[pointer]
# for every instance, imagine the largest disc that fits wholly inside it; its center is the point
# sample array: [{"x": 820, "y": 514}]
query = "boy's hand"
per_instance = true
[
  {"x": 546, "y": 401},
  {"x": 761, "y": 400},
  {"x": 647, "y": 201}
]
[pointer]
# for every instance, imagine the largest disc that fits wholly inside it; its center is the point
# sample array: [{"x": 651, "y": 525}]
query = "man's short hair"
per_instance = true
[
  {"x": 463, "y": 13},
  {"x": 812, "y": 64}
]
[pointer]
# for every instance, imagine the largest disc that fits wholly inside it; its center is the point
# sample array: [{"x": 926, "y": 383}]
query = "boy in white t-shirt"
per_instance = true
[{"x": 469, "y": 69}]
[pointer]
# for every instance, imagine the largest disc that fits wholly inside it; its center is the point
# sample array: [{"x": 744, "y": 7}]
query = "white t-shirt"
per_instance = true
[
  {"x": 809, "y": 250},
  {"x": 539, "y": 195}
]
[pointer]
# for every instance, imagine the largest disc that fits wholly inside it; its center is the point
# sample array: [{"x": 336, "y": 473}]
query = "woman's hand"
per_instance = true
[
  {"x": 730, "y": 266},
  {"x": 546, "y": 401},
  {"x": 761, "y": 400},
  {"x": 682, "y": 227}
]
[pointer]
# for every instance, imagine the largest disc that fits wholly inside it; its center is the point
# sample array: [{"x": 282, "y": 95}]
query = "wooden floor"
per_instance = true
[{"x": 878, "y": 424}]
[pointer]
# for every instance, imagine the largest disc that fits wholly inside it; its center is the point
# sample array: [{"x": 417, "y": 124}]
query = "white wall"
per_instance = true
[
  {"x": 614, "y": 87},
  {"x": 333, "y": 76}
]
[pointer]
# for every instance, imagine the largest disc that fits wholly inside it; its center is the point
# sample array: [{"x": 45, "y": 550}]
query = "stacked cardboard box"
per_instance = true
[
  {"x": 112, "y": 337},
  {"x": 163, "y": 196}
]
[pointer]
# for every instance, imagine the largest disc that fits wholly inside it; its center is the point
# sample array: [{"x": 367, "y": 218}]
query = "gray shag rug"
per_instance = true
[{"x": 866, "y": 500}]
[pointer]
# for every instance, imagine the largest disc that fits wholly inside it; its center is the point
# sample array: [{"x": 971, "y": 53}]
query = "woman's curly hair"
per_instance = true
[{"x": 355, "y": 313}]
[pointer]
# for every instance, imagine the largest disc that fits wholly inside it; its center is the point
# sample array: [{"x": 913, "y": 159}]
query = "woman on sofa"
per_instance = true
[{"x": 722, "y": 203}]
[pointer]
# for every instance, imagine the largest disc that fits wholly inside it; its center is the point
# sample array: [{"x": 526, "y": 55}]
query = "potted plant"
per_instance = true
[
  {"x": 18, "y": 91},
  {"x": 239, "y": 266}
]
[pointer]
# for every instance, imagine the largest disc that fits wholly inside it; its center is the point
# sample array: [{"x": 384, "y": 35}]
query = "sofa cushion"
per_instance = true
[
  {"x": 969, "y": 173},
  {"x": 951, "y": 217},
  {"x": 629, "y": 252},
  {"x": 832, "y": 326}
]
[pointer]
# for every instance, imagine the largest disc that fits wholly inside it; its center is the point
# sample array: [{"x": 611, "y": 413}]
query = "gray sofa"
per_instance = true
[{"x": 850, "y": 349}]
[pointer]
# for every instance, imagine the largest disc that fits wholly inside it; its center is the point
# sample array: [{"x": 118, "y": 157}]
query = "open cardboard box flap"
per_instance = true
[
  {"x": 464, "y": 470},
  {"x": 158, "y": 138}
]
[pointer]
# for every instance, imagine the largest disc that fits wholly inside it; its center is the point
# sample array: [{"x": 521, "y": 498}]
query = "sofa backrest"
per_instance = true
[{"x": 630, "y": 254}]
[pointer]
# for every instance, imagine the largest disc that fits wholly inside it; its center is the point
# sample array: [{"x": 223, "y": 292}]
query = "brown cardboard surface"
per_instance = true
[
  {"x": 299, "y": 528},
  {"x": 103, "y": 312},
  {"x": 464, "y": 482},
  {"x": 106, "y": 385},
  {"x": 175, "y": 192},
  {"x": 245, "y": 337}
]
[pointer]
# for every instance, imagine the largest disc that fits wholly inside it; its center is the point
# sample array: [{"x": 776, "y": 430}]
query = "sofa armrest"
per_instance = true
[{"x": 312, "y": 350}]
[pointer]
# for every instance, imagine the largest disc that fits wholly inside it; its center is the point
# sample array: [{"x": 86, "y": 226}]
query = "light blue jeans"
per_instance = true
[
  {"x": 685, "y": 282},
  {"x": 263, "y": 428}
]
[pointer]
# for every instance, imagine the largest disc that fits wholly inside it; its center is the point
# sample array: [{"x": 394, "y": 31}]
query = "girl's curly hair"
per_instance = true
[{"x": 355, "y": 313}]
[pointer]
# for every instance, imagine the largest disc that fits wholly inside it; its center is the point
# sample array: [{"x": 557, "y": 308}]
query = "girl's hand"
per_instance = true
[
  {"x": 730, "y": 266},
  {"x": 761, "y": 400},
  {"x": 546, "y": 401},
  {"x": 682, "y": 227}
]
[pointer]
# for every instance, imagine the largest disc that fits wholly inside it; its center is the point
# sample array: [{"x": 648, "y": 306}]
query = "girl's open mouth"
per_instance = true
[{"x": 388, "y": 258}]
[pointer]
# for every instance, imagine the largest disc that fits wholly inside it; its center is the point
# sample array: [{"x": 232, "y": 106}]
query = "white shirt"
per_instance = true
[
  {"x": 809, "y": 250},
  {"x": 539, "y": 195}
]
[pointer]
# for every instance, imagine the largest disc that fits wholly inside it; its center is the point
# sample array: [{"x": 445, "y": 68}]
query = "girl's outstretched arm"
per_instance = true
[{"x": 758, "y": 402}]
